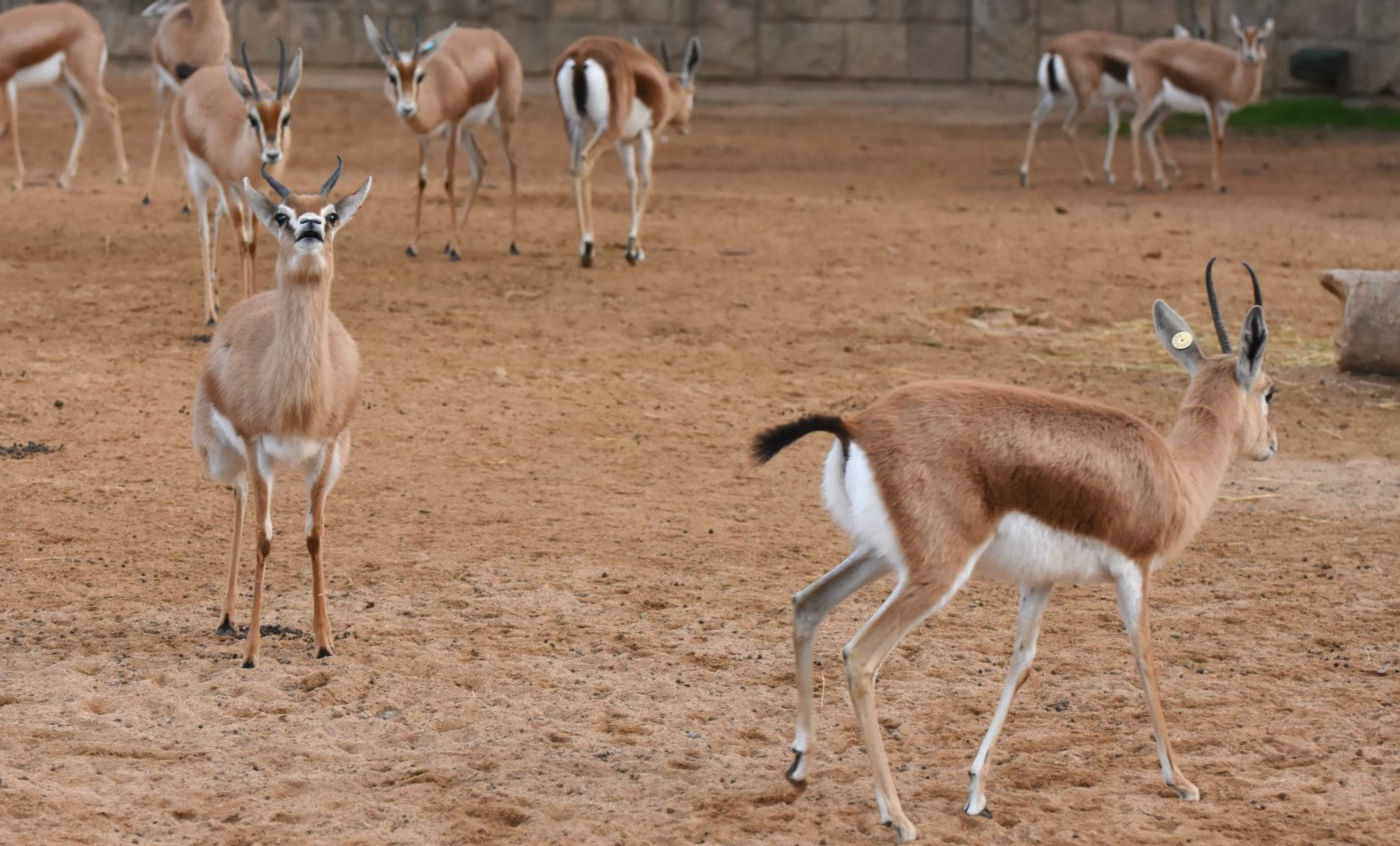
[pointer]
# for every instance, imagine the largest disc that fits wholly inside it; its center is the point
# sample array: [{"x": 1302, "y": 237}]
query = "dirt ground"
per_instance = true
[{"x": 560, "y": 591}]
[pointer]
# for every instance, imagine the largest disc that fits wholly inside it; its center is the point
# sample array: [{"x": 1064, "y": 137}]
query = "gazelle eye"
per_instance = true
[
  {"x": 286, "y": 119},
  {"x": 419, "y": 76},
  {"x": 281, "y": 219},
  {"x": 252, "y": 121},
  {"x": 332, "y": 218},
  {"x": 1269, "y": 397}
]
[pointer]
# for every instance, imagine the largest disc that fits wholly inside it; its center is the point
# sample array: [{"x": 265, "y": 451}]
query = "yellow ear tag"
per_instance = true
[{"x": 1182, "y": 340}]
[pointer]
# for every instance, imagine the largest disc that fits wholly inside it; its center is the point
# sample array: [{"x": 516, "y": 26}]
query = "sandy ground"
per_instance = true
[{"x": 559, "y": 590}]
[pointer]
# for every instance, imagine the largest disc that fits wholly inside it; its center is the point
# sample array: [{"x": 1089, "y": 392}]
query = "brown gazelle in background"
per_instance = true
[
  {"x": 227, "y": 126},
  {"x": 1196, "y": 76},
  {"x": 940, "y": 481},
  {"x": 279, "y": 387},
  {"x": 62, "y": 45},
  {"x": 626, "y": 96},
  {"x": 192, "y": 34},
  {"x": 455, "y": 81}
]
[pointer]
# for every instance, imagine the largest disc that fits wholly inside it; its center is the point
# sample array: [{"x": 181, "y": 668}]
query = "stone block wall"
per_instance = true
[{"x": 996, "y": 41}]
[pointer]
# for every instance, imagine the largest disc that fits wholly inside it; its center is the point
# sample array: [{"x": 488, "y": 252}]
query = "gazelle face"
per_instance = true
[
  {"x": 270, "y": 122},
  {"x": 1252, "y": 48},
  {"x": 686, "y": 82},
  {"x": 403, "y": 80},
  {"x": 305, "y": 225},
  {"x": 1260, "y": 441}
]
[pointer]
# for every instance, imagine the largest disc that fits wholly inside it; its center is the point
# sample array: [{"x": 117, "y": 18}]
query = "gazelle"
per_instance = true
[
  {"x": 280, "y": 386},
  {"x": 1196, "y": 76},
  {"x": 1086, "y": 67},
  {"x": 452, "y": 83},
  {"x": 626, "y": 96},
  {"x": 940, "y": 481},
  {"x": 227, "y": 125},
  {"x": 62, "y": 45},
  {"x": 192, "y": 34}
]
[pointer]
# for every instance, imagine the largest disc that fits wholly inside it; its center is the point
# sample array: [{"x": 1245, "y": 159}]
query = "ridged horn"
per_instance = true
[
  {"x": 1215, "y": 310},
  {"x": 252, "y": 83},
  {"x": 330, "y": 183},
  {"x": 282, "y": 190}
]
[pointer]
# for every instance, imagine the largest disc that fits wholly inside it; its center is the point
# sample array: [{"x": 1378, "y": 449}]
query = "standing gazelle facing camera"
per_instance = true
[
  {"x": 626, "y": 96},
  {"x": 279, "y": 388},
  {"x": 940, "y": 481}
]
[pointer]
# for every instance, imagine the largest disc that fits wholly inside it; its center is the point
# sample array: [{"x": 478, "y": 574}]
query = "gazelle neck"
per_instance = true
[
  {"x": 1202, "y": 447},
  {"x": 1247, "y": 81},
  {"x": 300, "y": 349},
  {"x": 204, "y": 10}
]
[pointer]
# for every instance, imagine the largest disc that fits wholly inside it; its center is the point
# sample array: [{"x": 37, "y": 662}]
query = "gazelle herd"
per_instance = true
[{"x": 935, "y": 483}]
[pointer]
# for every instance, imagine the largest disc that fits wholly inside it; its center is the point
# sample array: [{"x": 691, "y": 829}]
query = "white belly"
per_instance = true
[
  {"x": 637, "y": 120},
  {"x": 46, "y": 72},
  {"x": 481, "y": 112},
  {"x": 1112, "y": 89},
  {"x": 290, "y": 451},
  {"x": 1027, "y": 551},
  {"x": 1179, "y": 100}
]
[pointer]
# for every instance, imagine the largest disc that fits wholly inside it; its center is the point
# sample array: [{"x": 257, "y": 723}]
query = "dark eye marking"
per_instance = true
[
  {"x": 281, "y": 218},
  {"x": 1269, "y": 397},
  {"x": 332, "y": 218},
  {"x": 287, "y": 119},
  {"x": 252, "y": 121}
]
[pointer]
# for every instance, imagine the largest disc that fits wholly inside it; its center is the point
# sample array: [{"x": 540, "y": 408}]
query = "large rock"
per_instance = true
[{"x": 1369, "y": 339}]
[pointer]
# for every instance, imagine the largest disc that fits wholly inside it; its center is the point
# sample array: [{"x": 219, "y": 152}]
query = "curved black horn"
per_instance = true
[
  {"x": 1258, "y": 298},
  {"x": 330, "y": 183},
  {"x": 282, "y": 190},
  {"x": 1215, "y": 310},
  {"x": 417, "y": 36},
  {"x": 389, "y": 37},
  {"x": 281, "y": 66},
  {"x": 252, "y": 83},
  {"x": 665, "y": 58}
]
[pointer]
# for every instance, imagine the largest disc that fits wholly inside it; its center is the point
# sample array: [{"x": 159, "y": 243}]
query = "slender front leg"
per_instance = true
[
  {"x": 1166, "y": 151},
  {"x": 477, "y": 159},
  {"x": 1033, "y": 600},
  {"x": 810, "y": 606},
  {"x": 200, "y": 193},
  {"x": 318, "y": 487},
  {"x": 503, "y": 132},
  {"x": 449, "y": 183},
  {"x": 627, "y": 152},
  {"x": 1132, "y": 606},
  {"x": 262, "y": 513},
  {"x": 1157, "y": 172},
  {"x": 114, "y": 121},
  {"x": 240, "y": 501},
  {"x": 422, "y": 185},
  {"x": 1041, "y": 110},
  {"x": 1112, "y": 138},
  {"x": 162, "y": 114},
  {"x": 12, "y": 101},
  {"x": 1217, "y": 137},
  {"x": 1071, "y": 129}
]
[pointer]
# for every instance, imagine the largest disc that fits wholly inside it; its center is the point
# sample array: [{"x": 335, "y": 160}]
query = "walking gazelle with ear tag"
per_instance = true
[
  {"x": 62, "y": 45},
  {"x": 941, "y": 481},
  {"x": 454, "y": 82},
  {"x": 279, "y": 387},
  {"x": 227, "y": 126},
  {"x": 612, "y": 92}
]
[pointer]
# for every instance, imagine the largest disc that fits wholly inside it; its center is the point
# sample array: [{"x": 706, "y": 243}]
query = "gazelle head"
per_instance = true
[
  {"x": 269, "y": 113},
  {"x": 683, "y": 83},
  {"x": 1251, "y": 38},
  {"x": 1232, "y": 385},
  {"x": 405, "y": 70},
  {"x": 305, "y": 225}
]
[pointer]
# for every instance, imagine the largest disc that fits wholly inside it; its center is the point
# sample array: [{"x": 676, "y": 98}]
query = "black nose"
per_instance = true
[{"x": 272, "y": 157}]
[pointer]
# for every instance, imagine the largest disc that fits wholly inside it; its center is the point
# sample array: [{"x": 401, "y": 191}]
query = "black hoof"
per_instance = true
[
  {"x": 226, "y": 629},
  {"x": 411, "y": 253},
  {"x": 453, "y": 255},
  {"x": 985, "y": 812},
  {"x": 1220, "y": 190},
  {"x": 446, "y": 248},
  {"x": 145, "y": 201},
  {"x": 632, "y": 259},
  {"x": 1025, "y": 180},
  {"x": 323, "y": 652},
  {"x": 515, "y": 251},
  {"x": 795, "y": 782},
  {"x": 248, "y": 664}
]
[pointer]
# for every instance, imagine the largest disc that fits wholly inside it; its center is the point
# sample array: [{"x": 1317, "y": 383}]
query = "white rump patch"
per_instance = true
[
  {"x": 853, "y": 499},
  {"x": 564, "y": 87},
  {"x": 597, "y": 92},
  {"x": 1026, "y": 551},
  {"x": 277, "y": 451}
]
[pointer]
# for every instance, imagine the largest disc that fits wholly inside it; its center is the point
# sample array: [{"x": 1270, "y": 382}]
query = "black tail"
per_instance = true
[
  {"x": 184, "y": 71},
  {"x": 581, "y": 90},
  {"x": 1050, "y": 73},
  {"x": 771, "y": 442}
]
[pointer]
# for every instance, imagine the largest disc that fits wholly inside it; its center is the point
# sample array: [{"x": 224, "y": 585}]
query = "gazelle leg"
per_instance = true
[
  {"x": 1037, "y": 117},
  {"x": 12, "y": 102},
  {"x": 1157, "y": 172},
  {"x": 1071, "y": 130},
  {"x": 262, "y": 513},
  {"x": 810, "y": 606},
  {"x": 240, "y": 502},
  {"x": 317, "y": 487},
  {"x": 909, "y": 604},
  {"x": 503, "y": 132},
  {"x": 627, "y": 152},
  {"x": 477, "y": 160},
  {"x": 449, "y": 183},
  {"x": 1217, "y": 137},
  {"x": 1132, "y": 606},
  {"x": 422, "y": 186},
  {"x": 1112, "y": 138},
  {"x": 581, "y": 169},
  {"x": 1033, "y": 600},
  {"x": 73, "y": 96},
  {"x": 84, "y": 73},
  {"x": 162, "y": 115},
  {"x": 200, "y": 194},
  {"x": 1166, "y": 151},
  {"x": 1140, "y": 121}
]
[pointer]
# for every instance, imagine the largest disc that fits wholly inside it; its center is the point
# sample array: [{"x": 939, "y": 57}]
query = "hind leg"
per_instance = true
[
  {"x": 162, "y": 115},
  {"x": 1041, "y": 110},
  {"x": 74, "y": 98},
  {"x": 12, "y": 107},
  {"x": 84, "y": 72},
  {"x": 1071, "y": 130},
  {"x": 1113, "y": 122}
]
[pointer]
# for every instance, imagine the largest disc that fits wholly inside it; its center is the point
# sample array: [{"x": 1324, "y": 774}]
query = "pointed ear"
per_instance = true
[
  {"x": 237, "y": 80},
  {"x": 1235, "y": 25},
  {"x": 381, "y": 47},
  {"x": 1176, "y": 337},
  {"x": 293, "y": 77},
  {"x": 427, "y": 48},
  {"x": 1252, "y": 340},
  {"x": 262, "y": 207},
  {"x": 347, "y": 206},
  {"x": 692, "y": 60},
  {"x": 1267, "y": 29}
]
